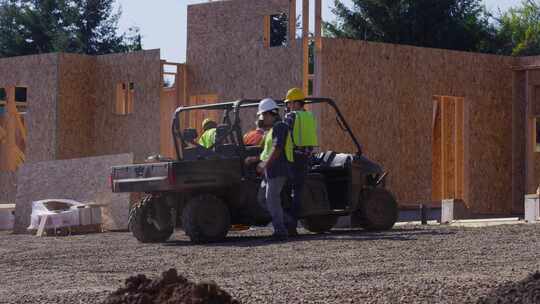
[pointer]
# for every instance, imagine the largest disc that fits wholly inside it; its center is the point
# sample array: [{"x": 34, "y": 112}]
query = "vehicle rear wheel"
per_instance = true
[
  {"x": 206, "y": 219},
  {"x": 140, "y": 226},
  {"x": 319, "y": 223},
  {"x": 378, "y": 210}
]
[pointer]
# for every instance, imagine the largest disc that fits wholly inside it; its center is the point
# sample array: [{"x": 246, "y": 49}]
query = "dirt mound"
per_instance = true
[
  {"x": 526, "y": 291},
  {"x": 171, "y": 288}
]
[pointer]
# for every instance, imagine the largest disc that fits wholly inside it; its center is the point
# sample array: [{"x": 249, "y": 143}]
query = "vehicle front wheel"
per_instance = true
[
  {"x": 140, "y": 224},
  {"x": 378, "y": 210},
  {"x": 205, "y": 219}
]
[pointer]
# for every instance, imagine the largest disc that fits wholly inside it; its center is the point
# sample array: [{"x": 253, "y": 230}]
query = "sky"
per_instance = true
[{"x": 163, "y": 22}]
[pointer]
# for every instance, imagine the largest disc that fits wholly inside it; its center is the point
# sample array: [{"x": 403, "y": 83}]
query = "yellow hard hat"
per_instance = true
[
  {"x": 207, "y": 121},
  {"x": 295, "y": 94}
]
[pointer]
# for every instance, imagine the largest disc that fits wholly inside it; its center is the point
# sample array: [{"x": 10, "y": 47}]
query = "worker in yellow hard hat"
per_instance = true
[
  {"x": 303, "y": 132},
  {"x": 208, "y": 138}
]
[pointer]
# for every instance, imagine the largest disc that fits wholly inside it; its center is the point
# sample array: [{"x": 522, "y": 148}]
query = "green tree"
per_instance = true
[
  {"x": 519, "y": 29},
  {"x": 78, "y": 26},
  {"x": 449, "y": 24}
]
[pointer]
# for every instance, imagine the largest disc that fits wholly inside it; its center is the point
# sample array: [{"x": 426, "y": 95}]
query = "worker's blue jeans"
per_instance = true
[
  {"x": 299, "y": 173},
  {"x": 269, "y": 197}
]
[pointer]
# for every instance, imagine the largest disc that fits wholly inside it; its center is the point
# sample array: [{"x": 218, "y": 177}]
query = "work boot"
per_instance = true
[
  {"x": 278, "y": 238},
  {"x": 292, "y": 232}
]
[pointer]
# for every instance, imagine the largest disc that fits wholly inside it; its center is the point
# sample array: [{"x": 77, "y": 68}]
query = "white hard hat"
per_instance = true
[{"x": 267, "y": 105}]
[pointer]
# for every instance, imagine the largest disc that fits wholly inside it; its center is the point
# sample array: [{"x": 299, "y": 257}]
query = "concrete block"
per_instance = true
[
  {"x": 452, "y": 209},
  {"x": 532, "y": 208}
]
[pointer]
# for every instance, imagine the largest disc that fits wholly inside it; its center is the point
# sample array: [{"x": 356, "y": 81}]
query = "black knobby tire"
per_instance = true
[
  {"x": 206, "y": 219},
  {"x": 139, "y": 226},
  {"x": 378, "y": 210},
  {"x": 319, "y": 223}
]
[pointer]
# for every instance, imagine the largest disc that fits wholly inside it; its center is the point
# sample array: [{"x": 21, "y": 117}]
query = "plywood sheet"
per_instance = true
[
  {"x": 8, "y": 187},
  {"x": 39, "y": 73},
  {"x": 243, "y": 67},
  {"x": 84, "y": 180},
  {"x": 386, "y": 93},
  {"x": 138, "y": 132},
  {"x": 76, "y": 106}
]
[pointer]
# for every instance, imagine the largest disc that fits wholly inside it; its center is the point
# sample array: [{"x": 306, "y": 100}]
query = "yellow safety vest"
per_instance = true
[
  {"x": 208, "y": 138},
  {"x": 268, "y": 144},
  {"x": 305, "y": 130}
]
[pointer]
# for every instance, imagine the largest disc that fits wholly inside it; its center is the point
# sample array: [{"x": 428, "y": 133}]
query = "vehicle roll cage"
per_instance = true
[{"x": 235, "y": 130}]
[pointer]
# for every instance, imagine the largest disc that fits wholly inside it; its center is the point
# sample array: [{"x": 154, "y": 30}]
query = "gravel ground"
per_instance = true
[{"x": 406, "y": 265}]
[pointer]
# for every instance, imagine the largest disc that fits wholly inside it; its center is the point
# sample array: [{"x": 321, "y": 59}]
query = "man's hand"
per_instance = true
[{"x": 251, "y": 160}]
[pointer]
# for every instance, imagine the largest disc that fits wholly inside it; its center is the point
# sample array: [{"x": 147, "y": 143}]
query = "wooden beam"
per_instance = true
[
  {"x": 266, "y": 37},
  {"x": 305, "y": 45},
  {"x": 459, "y": 149},
  {"x": 11, "y": 159},
  {"x": 292, "y": 22},
  {"x": 530, "y": 174},
  {"x": 318, "y": 24},
  {"x": 3, "y": 134}
]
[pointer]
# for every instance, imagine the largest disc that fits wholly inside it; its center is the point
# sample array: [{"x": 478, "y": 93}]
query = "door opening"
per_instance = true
[{"x": 448, "y": 151}]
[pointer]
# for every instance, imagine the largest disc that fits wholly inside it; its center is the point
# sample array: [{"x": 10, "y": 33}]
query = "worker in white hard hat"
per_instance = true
[
  {"x": 303, "y": 134},
  {"x": 274, "y": 166}
]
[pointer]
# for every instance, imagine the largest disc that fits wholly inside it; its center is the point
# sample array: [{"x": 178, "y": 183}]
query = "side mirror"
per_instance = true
[{"x": 189, "y": 135}]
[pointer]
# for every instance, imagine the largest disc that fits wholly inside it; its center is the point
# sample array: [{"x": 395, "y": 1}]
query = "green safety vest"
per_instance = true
[
  {"x": 305, "y": 130},
  {"x": 268, "y": 144},
  {"x": 208, "y": 138}
]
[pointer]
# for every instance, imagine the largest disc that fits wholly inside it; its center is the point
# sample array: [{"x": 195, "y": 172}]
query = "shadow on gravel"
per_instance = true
[{"x": 239, "y": 240}]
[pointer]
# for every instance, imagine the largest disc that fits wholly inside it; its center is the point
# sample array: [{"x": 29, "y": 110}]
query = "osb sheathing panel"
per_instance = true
[
  {"x": 8, "y": 187},
  {"x": 138, "y": 132},
  {"x": 83, "y": 180},
  {"x": 76, "y": 106},
  {"x": 226, "y": 55},
  {"x": 386, "y": 92},
  {"x": 39, "y": 74}
]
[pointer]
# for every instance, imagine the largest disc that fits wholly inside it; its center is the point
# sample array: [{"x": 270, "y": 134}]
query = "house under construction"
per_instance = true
[{"x": 445, "y": 124}]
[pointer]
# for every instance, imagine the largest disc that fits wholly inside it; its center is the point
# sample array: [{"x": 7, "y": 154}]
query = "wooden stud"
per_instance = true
[
  {"x": 447, "y": 147},
  {"x": 305, "y": 45},
  {"x": 318, "y": 24},
  {"x": 266, "y": 38},
  {"x": 292, "y": 22},
  {"x": 459, "y": 150},
  {"x": 3, "y": 134},
  {"x": 530, "y": 139},
  {"x": 436, "y": 183}
]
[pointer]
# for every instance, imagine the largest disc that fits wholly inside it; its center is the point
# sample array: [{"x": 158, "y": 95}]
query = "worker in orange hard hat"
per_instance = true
[{"x": 303, "y": 132}]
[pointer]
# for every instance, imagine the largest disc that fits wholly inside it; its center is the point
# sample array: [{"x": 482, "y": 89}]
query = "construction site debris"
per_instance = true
[
  {"x": 61, "y": 214},
  {"x": 169, "y": 289},
  {"x": 526, "y": 291}
]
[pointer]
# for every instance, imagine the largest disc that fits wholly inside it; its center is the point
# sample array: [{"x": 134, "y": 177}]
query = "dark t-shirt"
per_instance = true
[{"x": 279, "y": 167}]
